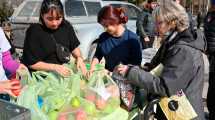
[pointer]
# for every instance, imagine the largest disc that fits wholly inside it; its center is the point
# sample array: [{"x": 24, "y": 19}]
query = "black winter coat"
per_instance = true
[
  {"x": 183, "y": 70},
  {"x": 209, "y": 28}
]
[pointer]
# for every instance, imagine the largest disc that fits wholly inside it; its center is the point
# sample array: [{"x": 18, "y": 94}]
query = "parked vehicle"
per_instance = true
[{"x": 82, "y": 14}]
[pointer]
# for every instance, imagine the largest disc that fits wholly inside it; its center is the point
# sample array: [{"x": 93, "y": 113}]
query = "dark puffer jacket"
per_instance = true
[
  {"x": 183, "y": 70},
  {"x": 210, "y": 31}
]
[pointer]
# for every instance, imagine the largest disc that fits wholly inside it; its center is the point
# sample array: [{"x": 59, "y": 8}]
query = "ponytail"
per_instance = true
[{"x": 122, "y": 17}]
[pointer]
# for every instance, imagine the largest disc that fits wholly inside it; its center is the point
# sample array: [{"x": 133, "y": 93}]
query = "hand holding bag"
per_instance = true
[{"x": 127, "y": 92}]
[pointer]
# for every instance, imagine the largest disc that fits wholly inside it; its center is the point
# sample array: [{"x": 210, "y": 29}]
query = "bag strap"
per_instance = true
[
  {"x": 53, "y": 38},
  {"x": 56, "y": 43}
]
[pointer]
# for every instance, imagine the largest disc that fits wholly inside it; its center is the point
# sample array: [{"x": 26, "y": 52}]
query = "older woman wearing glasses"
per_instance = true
[{"x": 180, "y": 55}]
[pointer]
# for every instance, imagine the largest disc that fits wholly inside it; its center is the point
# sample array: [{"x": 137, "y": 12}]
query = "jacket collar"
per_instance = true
[{"x": 186, "y": 37}]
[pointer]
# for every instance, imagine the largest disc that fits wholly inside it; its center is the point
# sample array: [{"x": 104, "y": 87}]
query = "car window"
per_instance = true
[
  {"x": 30, "y": 9},
  {"x": 92, "y": 8},
  {"x": 116, "y": 5},
  {"x": 132, "y": 12},
  {"x": 74, "y": 8}
]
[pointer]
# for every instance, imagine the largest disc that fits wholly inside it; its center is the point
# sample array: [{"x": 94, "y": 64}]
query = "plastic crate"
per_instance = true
[{"x": 10, "y": 111}]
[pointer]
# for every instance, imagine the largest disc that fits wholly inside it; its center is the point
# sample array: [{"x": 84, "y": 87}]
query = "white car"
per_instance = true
[{"x": 82, "y": 14}]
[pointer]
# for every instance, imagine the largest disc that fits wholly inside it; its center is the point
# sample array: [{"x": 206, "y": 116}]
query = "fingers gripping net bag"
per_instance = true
[{"x": 127, "y": 92}]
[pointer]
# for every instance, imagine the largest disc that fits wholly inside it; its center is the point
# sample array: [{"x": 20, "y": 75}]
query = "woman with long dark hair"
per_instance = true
[{"x": 43, "y": 39}]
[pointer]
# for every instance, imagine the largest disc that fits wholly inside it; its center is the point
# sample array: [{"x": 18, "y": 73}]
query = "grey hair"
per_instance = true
[{"x": 169, "y": 11}]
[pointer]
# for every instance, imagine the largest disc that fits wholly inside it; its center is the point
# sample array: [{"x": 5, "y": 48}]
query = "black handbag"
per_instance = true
[{"x": 63, "y": 53}]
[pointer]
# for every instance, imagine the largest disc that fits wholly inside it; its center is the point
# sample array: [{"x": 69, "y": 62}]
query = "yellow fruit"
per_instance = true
[
  {"x": 75, "y": 102},
  {"x": 53, "y": 115}
]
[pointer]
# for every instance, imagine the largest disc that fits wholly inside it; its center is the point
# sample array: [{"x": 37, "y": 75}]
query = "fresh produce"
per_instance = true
[
  {"x": 80, "y": 115},
  {"x": 90, "y": 96},
  {"x": 112, "y": 104},
  {"x": 63, "y": 117},
  {"x": 53, "y": 115},
  {"x": 108, "y": 109},
  {"x": 75, "y": 102},
  {"x": 90, "y": 109},
  {"x": 100, "y": 104},
  {"x": 16, "y": 91},
  {"x": 72, "y": 97},
  {"x": 58, "y": 103},
  {"x": 113, "y": 90}
]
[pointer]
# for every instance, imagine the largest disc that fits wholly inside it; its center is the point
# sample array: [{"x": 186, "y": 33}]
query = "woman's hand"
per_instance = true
[
  {"x": 146, "y": 39},
  {"x": 81, "y": 65},
  {"x": 8, "y": 86},
  {"x": 122, "y": 69},
  {"x": 92, "y": 67},
  {"x": 79, "y": 60},
  {"x": 89, "y": 74},
  {"x": 62, "y": 70}
]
